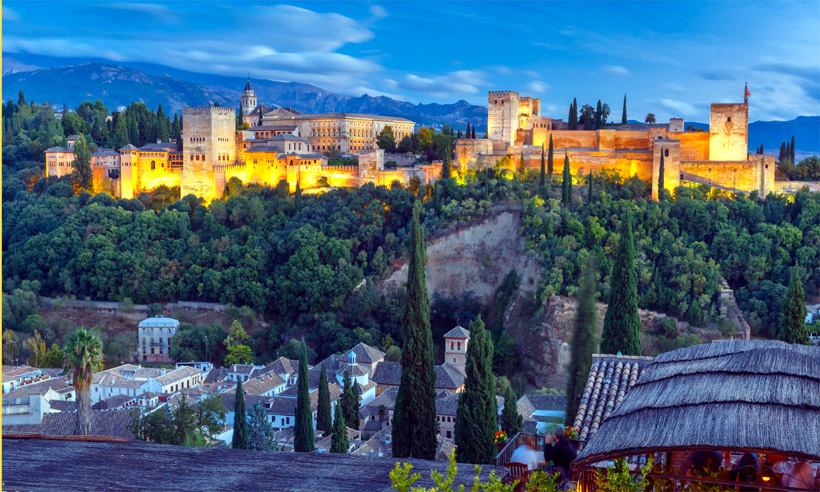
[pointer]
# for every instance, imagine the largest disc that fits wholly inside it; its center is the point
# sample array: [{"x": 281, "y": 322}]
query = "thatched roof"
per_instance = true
[
  {"x": 739, "y": 395},
  {"x": 48, "y": 465}
]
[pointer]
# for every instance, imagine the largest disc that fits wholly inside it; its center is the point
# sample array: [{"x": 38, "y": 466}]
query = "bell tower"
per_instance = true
[{"x": 248, "y": 98}]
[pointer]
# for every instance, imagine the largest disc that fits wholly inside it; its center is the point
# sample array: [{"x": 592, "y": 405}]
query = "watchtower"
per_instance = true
[
  {"x": 455, "y": 347},
  {"x": 248, "y": 98},
  {"x": 729, "y": 132},
  {"x": 209, "y": 139},
  {"x": 502, "y": 116}
]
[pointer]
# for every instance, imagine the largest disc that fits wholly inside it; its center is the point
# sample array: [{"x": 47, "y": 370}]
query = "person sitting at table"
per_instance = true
[
  {"x": 799, "y": 476},
  {"x": 562, "y": 453},
  {"x": 745, "y": 471},
  {"x": 526, "y": 455}
]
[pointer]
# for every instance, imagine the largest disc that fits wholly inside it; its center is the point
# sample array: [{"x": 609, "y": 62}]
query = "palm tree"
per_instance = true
[{"x": 83, "y": 357}]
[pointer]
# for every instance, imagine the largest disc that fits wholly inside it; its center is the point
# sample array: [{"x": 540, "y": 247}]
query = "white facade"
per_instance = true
[{"x": 155, "y": 338}]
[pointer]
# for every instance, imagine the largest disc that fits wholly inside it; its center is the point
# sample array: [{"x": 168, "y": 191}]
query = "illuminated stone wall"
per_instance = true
[
  {"x": 467, "y": 152},
  {"x": 757, "y": 174},
  {"x": 502, "y": 116},
  {"x": 59, "y": 163},
  {"x": 670, "y": 149},
  {"x": 370, "y": 163},
  {"x": 209, "y": 138},
  {"x": 728, "y": 132}
]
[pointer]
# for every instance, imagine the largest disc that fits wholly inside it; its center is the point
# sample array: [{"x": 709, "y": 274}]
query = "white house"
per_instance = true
[{"x": 154, "y": 338}]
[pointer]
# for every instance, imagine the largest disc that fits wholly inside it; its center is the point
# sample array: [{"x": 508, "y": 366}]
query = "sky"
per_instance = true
[{"x": 670, "y": 58}]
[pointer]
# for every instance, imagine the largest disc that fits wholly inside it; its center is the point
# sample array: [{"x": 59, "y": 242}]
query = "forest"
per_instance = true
[{"x": 299, "y": 260}]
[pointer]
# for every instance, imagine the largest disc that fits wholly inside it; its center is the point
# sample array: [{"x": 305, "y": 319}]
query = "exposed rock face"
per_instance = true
[{"x": 476, "y": 259}]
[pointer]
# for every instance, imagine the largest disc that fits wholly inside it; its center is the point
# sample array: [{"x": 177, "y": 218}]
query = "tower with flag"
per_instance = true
[{"x": 746, "y": 93}]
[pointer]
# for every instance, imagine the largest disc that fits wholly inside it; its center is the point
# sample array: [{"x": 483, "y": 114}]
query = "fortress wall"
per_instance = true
[
  {"x": 693, "y": 145},
  {"x": 670, "y": 149},
  {"x": 566, "y": 139},
  {"x": 745, "y": 176},
  {"x": 632, "y": 140},
  {"x": 728, "y": 129},
  {"x": 795, "y": 186},
  {"x": 581, "y": 163},
  {"x": 468, "y": 150}
]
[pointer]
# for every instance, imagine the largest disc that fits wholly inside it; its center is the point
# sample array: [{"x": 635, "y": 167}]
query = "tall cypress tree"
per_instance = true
[
  {"x": 623, "y": 116},
  {"x": 511, "y": 421},
  {"x": 599, "y": 115},
  {"x": 240, "y": 118},
  {"x": 622, "y": 323},
  {"x": 120, "y": 133},
  {"x": 303, "y": 427},
  {"x": 793, "y": 321},
  {"x": 472, "y": 135},
  {"x": 477, "y": 413},
  {"x": 338, "y": 440},
  {"x": 349, "y": 401},
  {"x": 324, "y": 417},
  {"x": 660, "y": 178},
  {"x": 589, "y": 181},
  {"x": 566, "y": 186},
  {"x": 467, "y": 133},
  {"x": 782, "y": 153},
  {"x": 549, "y": 160},
  {"x": 574, "y": 114},
  {"x": 446, "y": 168},
  {"x": 82, "y": 174},
  {"x": 240, "y": 420},
  {"x": 792, "y": 150},
  {"x": 414, "y": 416},
  {"x": 583, "y": 343},
  {"x": 542, "y": 181}
]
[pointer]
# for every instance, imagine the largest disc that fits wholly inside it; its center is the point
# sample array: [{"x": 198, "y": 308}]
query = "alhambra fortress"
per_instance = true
[{"x": 284, "y": 144}]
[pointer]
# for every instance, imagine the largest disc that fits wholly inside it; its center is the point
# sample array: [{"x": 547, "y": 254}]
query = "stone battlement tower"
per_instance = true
[
  {"x": 209, "y": 138},
  {"x": 502, "y": 116},
  {"x": 729, "y": 132},
  {"x": 248, "y": 98}
]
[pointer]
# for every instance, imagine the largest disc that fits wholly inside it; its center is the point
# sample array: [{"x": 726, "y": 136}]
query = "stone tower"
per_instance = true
[
  {"x": 128, "y": 161},
  {"x": 248, "y": 98},
  {"x": 670, "y": 149},
  {"x": 728, "y": 132},
  {"x": 209, "y": 139},
  {"x": 502, "y": 116},
  {"x": 455, "y": 347}
]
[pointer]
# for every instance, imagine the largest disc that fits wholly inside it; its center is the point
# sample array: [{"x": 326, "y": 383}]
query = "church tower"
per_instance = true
[
  {"x": 248, "y": 98},
  {"x": 455, "y": 347}
]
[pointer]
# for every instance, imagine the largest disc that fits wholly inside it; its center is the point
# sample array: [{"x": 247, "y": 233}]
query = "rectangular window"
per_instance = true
[{"x": 666, "y": 153}]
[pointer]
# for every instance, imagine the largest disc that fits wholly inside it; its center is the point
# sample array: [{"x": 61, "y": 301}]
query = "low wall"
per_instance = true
[
  {"x": 406, "y": 160},
  {"x": 795, "y": 186}
]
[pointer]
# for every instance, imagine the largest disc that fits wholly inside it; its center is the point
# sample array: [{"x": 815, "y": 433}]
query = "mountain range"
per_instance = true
[{"x": 73, "y": 80}]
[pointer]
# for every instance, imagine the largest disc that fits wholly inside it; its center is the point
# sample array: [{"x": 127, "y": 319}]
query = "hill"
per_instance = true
[{"x": 117, "y": 85}]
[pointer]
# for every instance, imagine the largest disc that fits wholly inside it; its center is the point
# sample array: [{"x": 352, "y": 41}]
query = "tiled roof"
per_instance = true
[
  {"x": 458, "y": 332},
  {"x": 216, "y": 375},
  {"x": 63, "y": 406},
  {"x": 287, "y": 137},
  {"x": 147, "y": 373},
  {"x": 59, "y": 149},
  {"x": 444, "y": 448},
  {"x": 285, "y": 405},
  {"x": 16, "y": 371},
  {"x": 113, "y": 402},
  {"x": 283, "y": 126},
  {"x": 610, "y": 377},
  {"x": 448, "y": 377},
  {"x": 129, "y": 147},
  {"x": 159, "y": 146},
  {"x": 241, "y": 368},
  {"x": 264, "y": 148},
  {"x": 386, "y": 399},
  {"x": 177, "y": 375},
  {"x": 529, "y": 403},
  {"x": 367, "y": 354},
  {"x": 229, "y": 400},
  {"x": 389, "y": 373},
  {"x": 262, "y": 384},
  {"x": 158, "y": 321},
  {"x": 449, "y": 404},
  {"x": 351, "y": 115},
  {"x": 60, "y": 385},
  {"x": 113, "y": 423},
  {"x": 280, "y": 366}
]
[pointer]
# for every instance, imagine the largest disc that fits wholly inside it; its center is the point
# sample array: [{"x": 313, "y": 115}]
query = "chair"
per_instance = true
[{"x": 520, "y": 472}]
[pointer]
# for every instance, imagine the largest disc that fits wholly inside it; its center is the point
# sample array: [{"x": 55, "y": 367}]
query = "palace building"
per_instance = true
[
  {"x": 281, "y": 145},
  {"x": 718, "y": 157}
]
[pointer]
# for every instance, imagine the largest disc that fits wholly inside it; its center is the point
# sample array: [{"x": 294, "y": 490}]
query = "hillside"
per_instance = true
[{"x": 117, "y": 85}]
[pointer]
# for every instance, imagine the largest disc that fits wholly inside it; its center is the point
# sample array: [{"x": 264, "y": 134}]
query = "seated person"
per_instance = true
[
  {"x": 562, "y": 453},
  {"x": 799, "y": 476},
  {"x": 526, "y": 455},
  {"x": 745, "y": 471},
  {"x": 705, "y": 462}
]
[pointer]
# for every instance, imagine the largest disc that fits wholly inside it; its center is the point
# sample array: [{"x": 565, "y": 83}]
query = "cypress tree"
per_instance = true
[
  {"x": 791, "y": 147},
  {"x": 623, "y": 116},
  {"x": 338, "y": 440},
  {"x": 240, "y": 420},
  {"x": 583, "y": 344},
  {"x": 297, "y": 197},
  {"x": 120, "y": 133},
  {"x": 82, "y": 174},
  {"x": 259, "y": 122},
  {"x": 324, "y": 415},
  {"x": 477, "y": 414},
  {"x": 782, "y": 153},
  {"x": 511, "y": 421},
  {"x": 414, "y": 417},
  {"x": 574, "y": 114},
  {"x": 468, "y": 130},
  {"x": 793, "y": 320},
  {"x": 349, "y": 400},
  {"x": 569, "y": 116},
  {"x": 589, "y": 180},
  {"x": 446, "y": 171},
  {"x": 566, "y": 186},
  {"x": 240, "y": 117},
  {"x": 542, "y": 181},
  {"x": 303, "y": 427},
  {"x": 599, "y": 115},
  {"x": 622, "y": 324},
  {"x": 549, "y": 160},
  {"x": 472, "y": 136},
  {"x": 521, "y": 164},
  {"x": 788, "y": 155},
  {"x": 660, "y": 178},
  {"x": 354, "y": 424},
  {"x": 133, "y": 131}
]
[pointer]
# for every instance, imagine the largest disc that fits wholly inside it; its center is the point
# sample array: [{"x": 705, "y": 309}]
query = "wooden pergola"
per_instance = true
[{"x": 733, "y": 397}]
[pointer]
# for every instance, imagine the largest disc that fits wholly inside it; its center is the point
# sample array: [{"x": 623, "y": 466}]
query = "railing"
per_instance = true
[{"x": 534, "y": 441}]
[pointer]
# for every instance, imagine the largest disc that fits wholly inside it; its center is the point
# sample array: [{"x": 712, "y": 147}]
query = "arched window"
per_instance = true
[{"x": 153, "y": 165}]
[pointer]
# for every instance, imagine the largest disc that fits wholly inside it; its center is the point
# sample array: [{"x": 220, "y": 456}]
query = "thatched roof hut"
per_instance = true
[{"x": 761, "y": 396}]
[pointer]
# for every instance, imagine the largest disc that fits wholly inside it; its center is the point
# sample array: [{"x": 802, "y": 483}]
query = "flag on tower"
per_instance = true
[{"x": 746, "y": 93}]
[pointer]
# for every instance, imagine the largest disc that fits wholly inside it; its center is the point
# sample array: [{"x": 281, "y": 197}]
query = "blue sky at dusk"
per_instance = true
[{"x": 671, "y": 58}]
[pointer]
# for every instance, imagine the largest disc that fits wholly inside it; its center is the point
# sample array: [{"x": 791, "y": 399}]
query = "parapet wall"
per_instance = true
[
  {"x": 746, "y": 176},
  {"x": 795, "y": 186}
]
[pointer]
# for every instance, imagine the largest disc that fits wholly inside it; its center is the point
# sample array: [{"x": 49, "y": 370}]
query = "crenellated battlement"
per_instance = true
[
  {"x": 201, "y": 110},
  {"x": 501, "y": 94}
]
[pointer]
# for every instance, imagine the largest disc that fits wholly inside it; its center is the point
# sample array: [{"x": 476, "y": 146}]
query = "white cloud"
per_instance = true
[
  {"x": 452, "y": 84},
  {"x": 537, "y": 86},
  {"x": 378, "y": 12},
  {"x": 10, "y": 15},
  {"x": 532, "y": 74},
  {"x": 681, "y": 108},
  {"x": 616, "y": 70}
]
